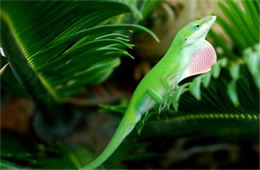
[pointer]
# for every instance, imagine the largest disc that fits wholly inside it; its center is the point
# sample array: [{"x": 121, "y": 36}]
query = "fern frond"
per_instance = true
[
  {"x": 57, "y": 51},
  {"x": 65, "y": 48}
]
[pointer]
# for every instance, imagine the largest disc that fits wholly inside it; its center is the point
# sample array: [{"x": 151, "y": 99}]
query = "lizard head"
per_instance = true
[
  {"x": 198, "y": 54},
  {"x": 196, "y": 31}
]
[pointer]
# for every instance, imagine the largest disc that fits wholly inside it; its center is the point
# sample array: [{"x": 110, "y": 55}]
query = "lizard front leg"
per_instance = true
[
  {"x": 155, "y": 96},
  {"x": 169, "y": 83},
  {"x": 166, "y": 83}
]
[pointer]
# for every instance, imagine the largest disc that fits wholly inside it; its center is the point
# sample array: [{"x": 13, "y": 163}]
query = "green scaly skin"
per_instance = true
[{"x": 159, "y": 82}]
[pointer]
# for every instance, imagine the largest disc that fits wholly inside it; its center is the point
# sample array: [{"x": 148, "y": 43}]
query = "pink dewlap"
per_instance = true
[{"x": 202, "y": 60}]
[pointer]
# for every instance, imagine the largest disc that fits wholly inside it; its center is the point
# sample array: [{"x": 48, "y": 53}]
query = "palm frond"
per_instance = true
[
  {"x": 241, "y": 25},
  {"x": 9, "y": 83},
  {"x": 64, "y": 44},
  {"x": 148, "y": 6},
  {"x": 56, "y": 51}
]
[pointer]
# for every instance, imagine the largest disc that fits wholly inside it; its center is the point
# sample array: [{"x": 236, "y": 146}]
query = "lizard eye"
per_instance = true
[
  {"x": 185, "y": 39},
  {"x": 196, "y": 27}
]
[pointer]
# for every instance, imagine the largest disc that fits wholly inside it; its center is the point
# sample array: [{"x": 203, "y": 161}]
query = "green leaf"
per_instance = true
[
  {"x": 216, "y": 70},
  {"x": 234, "y": 71},
  {"x": 195, "y": 87},
  {"x": 250, "y": 17},
  {"x": 177, "y": 94},
  {"x": 231, "y": 90},
  {"x": 223, "y": 62},
  {"x": 149, "y": 6},
  {"x": 252, "y": 59},
  {"x": 227, "y": 52},
  {"x": 241, "y": 24},
  {"x": 206, "y": 79}
]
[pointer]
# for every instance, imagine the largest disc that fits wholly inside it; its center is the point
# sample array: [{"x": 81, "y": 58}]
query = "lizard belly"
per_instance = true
[{"x": 146, "y": 105}]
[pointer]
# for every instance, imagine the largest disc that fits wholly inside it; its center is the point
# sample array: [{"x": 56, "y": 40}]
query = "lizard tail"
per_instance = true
[{"x": 124, "y": 128}]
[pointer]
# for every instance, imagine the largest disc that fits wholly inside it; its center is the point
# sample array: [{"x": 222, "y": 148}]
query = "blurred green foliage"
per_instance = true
[{"x": 222, "y": 104}]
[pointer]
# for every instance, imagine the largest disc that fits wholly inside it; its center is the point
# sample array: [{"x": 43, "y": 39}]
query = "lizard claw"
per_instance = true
[
  {"x": 161, "y": 108},
  {"x": 166, "y": 104}
]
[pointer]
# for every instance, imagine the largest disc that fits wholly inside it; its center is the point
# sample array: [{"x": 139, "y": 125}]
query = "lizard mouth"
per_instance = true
[
  {"x": 207, "y": 23},
  {"x": 201, "y": 33}
]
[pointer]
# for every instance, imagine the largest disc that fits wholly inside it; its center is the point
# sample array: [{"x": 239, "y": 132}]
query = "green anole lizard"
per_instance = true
[{"x": 190, "y": 54}]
